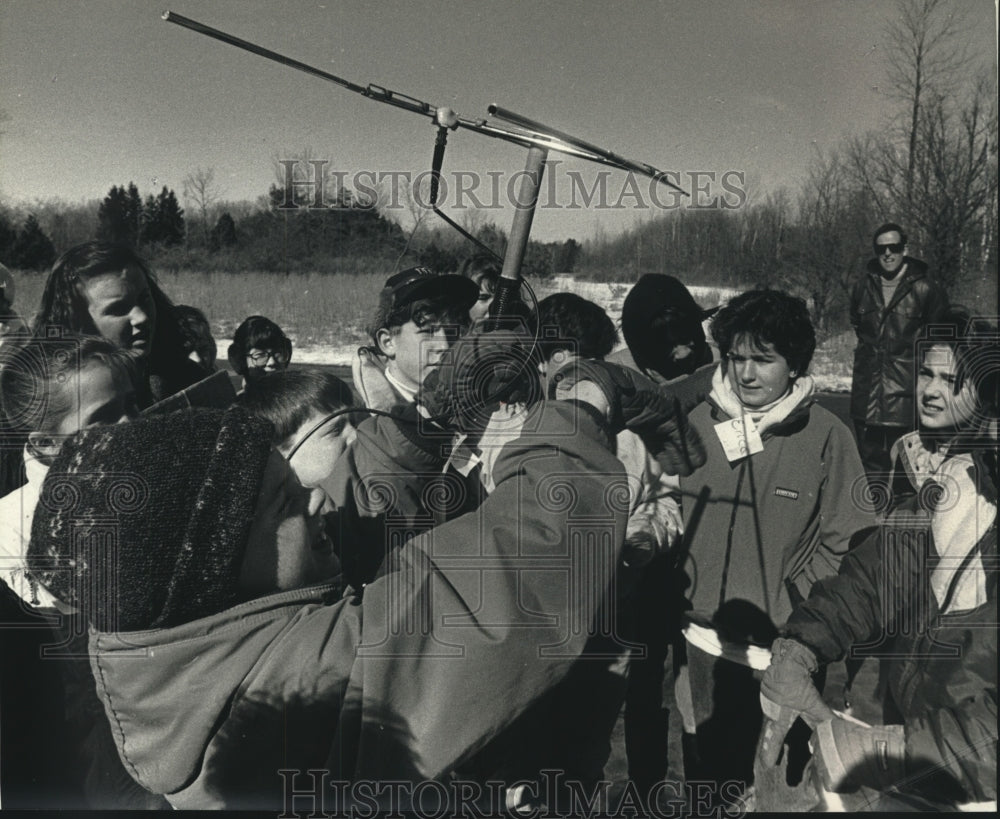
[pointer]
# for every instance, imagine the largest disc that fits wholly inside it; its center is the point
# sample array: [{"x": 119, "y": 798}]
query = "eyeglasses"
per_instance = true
[
  {"x": 895, "y": 247},
  {"x": 260, "y": 357}
]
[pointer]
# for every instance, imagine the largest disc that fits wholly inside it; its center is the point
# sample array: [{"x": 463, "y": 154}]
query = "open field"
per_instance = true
[{"x": 325, "y": 315}]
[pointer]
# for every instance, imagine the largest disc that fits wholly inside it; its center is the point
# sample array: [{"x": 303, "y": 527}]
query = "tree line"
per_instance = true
[
  {"x": 932, "y": 167},
  {"x": 280, "y": 233}
]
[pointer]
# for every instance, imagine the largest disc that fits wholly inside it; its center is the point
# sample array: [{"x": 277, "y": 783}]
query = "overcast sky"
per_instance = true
[{"x": 101, "y": 92}]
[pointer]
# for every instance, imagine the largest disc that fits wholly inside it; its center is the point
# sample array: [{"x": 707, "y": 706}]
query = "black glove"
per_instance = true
[
  {"x": 636, "y": 403},
  {"x": 787, "y": 692},
  {"x": 476, "y": 374}
]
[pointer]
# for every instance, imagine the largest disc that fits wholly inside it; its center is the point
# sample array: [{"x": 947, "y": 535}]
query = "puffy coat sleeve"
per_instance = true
[
  {"x": 952, "y": 733},
  {"x": 843, "y": 609},
  {"x": 482, "y": 615},
  {"x": 844, "y": 507},
  {"x": 378, "y": 490}
]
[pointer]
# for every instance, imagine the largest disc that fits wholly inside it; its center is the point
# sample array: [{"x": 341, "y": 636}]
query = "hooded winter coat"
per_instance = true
[
  {"x": 445, "y": 649},
  {"x": 885, "y": 357}
]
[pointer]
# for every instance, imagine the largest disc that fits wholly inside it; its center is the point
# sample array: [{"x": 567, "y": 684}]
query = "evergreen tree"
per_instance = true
[
  {"x": 163, "y": 219},
  {"x": 440, "y": 260},
  {"x": 566, "y": 255},
  {"x": 7, "y": 236},
  {"x": 133, "y": 212},
  {"x": 112, "y": 217},
  {"x": 149, "y": 228},
  {"x": 32, "y": 249},
  {"x": 223, "y": 234},
  {"x": 120, "y": 216},
  {"x": 171, "y": 218}
]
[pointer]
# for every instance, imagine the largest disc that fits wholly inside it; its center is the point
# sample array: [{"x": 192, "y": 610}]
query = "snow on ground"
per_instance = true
[
  {"x": 831, "y": 372},
  {"x": 334, "y": 354}
]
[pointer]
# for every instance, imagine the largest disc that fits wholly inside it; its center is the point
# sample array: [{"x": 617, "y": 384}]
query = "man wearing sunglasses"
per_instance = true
[{"x": 890, "y": 303}]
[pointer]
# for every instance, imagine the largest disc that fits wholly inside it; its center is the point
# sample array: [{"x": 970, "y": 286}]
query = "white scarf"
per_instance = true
[{"x": 725, "y": 397}]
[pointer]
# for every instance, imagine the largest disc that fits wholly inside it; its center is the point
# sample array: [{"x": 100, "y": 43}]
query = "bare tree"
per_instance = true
[
  {"x": 200, "y": 189},
  {"x": 933, "y": 172},
  {"x": 305, "y": 186},
  {"x": 473, "y": 219},
  {"x": 953, "y": 177},
  {"x": 831, "y": 239},
  {"x": 763, "y": 234},
  {"x": 416, "y": 204},
  {"x": 926, "y": 55}
]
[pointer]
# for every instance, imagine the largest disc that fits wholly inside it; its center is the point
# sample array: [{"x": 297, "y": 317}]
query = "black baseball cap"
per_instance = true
[{"x": 415, "y": 283}]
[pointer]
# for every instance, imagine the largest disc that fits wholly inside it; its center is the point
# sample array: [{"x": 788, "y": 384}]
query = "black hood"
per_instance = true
[{"x": 659, "y": 312}]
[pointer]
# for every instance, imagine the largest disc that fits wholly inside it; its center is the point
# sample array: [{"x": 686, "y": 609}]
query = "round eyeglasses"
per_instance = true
[{"x": 260, "y": 357}]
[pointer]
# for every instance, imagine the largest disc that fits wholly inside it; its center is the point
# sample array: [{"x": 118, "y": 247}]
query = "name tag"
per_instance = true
[
  {"x": 791, "y": 494},
  {"x": 739, "y": 438}
]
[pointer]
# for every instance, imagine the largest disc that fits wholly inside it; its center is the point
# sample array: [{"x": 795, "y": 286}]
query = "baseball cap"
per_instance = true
[{"x": 421, "y": 283}]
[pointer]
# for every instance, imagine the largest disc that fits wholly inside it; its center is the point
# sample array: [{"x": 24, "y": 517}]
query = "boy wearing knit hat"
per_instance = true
[{"x": 220, "y": 645}]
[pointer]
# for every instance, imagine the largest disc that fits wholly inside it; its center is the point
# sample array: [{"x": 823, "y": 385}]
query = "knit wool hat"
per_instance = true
[{"x": 143, "y": 525}]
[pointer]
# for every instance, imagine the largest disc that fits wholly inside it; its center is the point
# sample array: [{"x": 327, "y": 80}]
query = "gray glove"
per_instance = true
[
  {"x": 787, "y": 692},
  {"x": 850, "y": 755}
]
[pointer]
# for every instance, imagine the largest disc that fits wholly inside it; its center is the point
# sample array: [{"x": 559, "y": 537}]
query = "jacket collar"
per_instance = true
[{"x": 915, "y": 269}]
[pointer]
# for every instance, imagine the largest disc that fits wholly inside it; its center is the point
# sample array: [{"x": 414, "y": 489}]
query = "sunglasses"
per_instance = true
[
  {"x": 896, "y": 247},
  {"x": 260, "y": 358}
]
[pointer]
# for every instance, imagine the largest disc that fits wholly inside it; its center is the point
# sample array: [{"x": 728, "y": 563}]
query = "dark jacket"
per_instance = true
[
  {"x": 941, "y": 668},
  {"x": 384, "y": 490},
  {"x": 471, "y": 624},
  {"x": 885, "y": 360}
]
